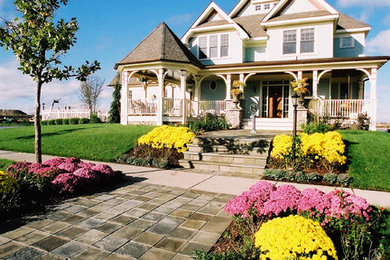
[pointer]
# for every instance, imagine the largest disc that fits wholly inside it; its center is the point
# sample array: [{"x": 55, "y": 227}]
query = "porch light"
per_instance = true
[{"x": 295, "y": 104}]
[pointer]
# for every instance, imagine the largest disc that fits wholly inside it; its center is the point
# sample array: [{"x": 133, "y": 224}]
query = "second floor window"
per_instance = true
[
  {"x": 213, "y": 46},
  {"x": 267, "y": 6},
  {"x": 258, "y": 7},
  {"x": 307, "y": 40},
  {"x": 346, "y": 42},
  {"x": 290, "y": 42},
  {"x": 224, "y": 45},
  {"x": 202, "y": 47}
]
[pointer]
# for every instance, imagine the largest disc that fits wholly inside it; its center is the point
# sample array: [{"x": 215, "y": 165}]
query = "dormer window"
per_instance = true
[
  {"x": 213, "y": 46},
  {"x": 267, "y": 6},
  {"x": 258, "y": 7},
  {"x": 202, "y": 47},
  {"x": 347, "y": 42},
  {"x": 307, "y": 40},
  {"x": 290, "y": 42}
]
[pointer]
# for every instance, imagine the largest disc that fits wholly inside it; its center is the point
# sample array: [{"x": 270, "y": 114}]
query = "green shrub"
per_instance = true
[
  {"x": 94, "y": 119},
  {"x": 330, "y": 178},
  {"x": 45, "y": 122},
  {"x": 74, "y": 121},
  {"x": 59, "y": 122},
  {"x": 276, "y": 174},
  {"x": 51, "y": 122},
  {"x": 208, "y": 122},
  {"x": 312, "y": 128},
  {"x": 83, "y": 121},
  {"x": 344, "y": 179},
  {"x": 65, "y": 121}
]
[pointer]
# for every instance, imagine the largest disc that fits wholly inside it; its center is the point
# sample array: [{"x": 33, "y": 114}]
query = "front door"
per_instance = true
[{"x": 275, "y": 102}]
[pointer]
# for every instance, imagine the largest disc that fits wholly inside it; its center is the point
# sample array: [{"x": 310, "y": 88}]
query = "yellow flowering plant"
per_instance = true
[
  {"x": 7, "y": 183},
  {"x": 168, "y": 137},
  {"x": 294, "y": 237},
  {"x": 306, "y": 150},
  {"x": 238, "y": 88},
  {"x": 300, "y": 85}
]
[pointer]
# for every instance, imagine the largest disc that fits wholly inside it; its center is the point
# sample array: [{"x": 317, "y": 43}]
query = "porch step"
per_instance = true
[
  {"x": 223, "y": 167},
  {"x": 236, "y": 150},
  {"x": 227, "y": 158},
  {"x": 279, "y": 124}
]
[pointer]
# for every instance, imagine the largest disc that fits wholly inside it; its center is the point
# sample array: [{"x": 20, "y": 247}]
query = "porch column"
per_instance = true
[
  {"x": 125, "y": 98},
  {"x": 300, "y": 74},
  {"x": 228, "y": 86},
  {"x": 373, "y": 99},
  {"x": 315, "y": 83},
  {"x": 183, "y": 85},
  {"x": 160, "y": 97},
  {"x": 197, "y": 93},
  {"x": 242, "y": 79},
  {"x": 361, "y": 89}
]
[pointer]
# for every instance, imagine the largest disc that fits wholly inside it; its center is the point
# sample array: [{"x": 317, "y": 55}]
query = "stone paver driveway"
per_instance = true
[{"x": 137, "y": 221}]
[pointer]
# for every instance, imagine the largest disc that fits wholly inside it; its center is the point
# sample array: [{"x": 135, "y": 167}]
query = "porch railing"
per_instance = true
[
  {"x": 173, "y": 107},
  {"x": 142, "y": 107},
  {"x": 340, "y": 108},
  {"x": 217, "y": 107}
]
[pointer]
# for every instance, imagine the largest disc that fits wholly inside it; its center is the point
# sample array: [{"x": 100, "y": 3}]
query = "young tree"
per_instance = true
[
  {"x": 39, "y": 42},
  {"x": 90, "y": 91},
  {"x": 115, "y": 110}
]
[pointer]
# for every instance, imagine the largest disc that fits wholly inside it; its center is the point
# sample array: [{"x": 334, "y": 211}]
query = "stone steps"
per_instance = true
[
  {"x": 260, "y": 160},
  {"x": 223, "y": 167},
  {"x": 243, "y": 155},
  {"x": 279, "y": 124}
]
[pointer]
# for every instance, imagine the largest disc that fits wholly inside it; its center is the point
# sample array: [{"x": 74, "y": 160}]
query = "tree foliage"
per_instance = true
[
  {"x": 115, "y": 110},
  {"x": 39, "y": 42},
  {"x": 90, "y": 91}
]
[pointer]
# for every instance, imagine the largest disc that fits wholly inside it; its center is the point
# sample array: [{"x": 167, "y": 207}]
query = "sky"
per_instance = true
[{"x": 111, "y": 29}]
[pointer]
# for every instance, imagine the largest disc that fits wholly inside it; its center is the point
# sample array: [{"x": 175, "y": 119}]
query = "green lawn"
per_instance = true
[
  {"x": 100, "y": 142},
  {"x": 369, "y": 156},
  {"x": 4, "y": 164}
]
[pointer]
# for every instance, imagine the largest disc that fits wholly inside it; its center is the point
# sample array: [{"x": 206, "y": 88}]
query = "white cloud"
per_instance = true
[
  {"x": 17, "y": 91},
  {"x": 179, "y": 19},
  {"x": 349, "y": 3},
  {"x": 379, "y": 44}
]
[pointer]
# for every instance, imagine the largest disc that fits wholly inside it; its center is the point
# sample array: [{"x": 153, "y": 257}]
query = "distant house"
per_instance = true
[
  {"x": 7, "y": 114},
  {"x": 264, "y": 44}
]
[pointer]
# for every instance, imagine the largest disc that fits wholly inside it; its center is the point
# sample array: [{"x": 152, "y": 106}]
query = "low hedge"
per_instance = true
[{"x": 71, "y": 121}]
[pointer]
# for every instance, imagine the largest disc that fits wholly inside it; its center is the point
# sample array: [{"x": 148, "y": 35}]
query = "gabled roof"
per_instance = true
[
  {"x": 310, "y": 14},
  {"x": 202, "y": 21},
  {"x": 346, "y": 22},
  {"x": 251, "y": 24},
  {"x": 160, "y": 45},
  {"x": 283, "y": 3}
]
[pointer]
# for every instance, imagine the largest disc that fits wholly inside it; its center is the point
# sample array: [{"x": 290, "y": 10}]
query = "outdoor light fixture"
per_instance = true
[{"x": 295, "y": 104}]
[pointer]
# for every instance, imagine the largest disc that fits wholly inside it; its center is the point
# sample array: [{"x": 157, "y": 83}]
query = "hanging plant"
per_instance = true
[
  {"x": 300, "y": 85},
  {"x": 238, "y": 88}
]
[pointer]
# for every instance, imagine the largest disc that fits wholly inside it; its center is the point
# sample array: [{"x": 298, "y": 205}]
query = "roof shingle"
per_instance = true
[{"x": 160, "y": 45}]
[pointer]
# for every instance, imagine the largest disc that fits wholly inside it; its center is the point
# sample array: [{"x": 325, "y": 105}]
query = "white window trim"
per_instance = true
[
  {"x": 219, "y": 47},
  {"x": 347, "y": 47},
  {"x": 298, "y": 42}
]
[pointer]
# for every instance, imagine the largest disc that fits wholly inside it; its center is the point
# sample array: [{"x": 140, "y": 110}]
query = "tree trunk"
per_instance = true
[{"x": 37, "y": 123}]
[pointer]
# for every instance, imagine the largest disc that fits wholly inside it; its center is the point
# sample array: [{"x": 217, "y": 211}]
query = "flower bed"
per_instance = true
[
  {"x": 163, "y": 147},
  {"x": 309, "y": 158},
  {"x": 27, "y": 184},
  {"x": 267, "y": 217}
]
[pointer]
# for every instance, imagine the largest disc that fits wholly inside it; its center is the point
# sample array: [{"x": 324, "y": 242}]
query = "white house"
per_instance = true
[{"x": 263, "y": 43}]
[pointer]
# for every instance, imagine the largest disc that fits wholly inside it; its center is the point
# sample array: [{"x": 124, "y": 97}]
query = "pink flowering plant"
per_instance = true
[{"x": 348, "y": 219}]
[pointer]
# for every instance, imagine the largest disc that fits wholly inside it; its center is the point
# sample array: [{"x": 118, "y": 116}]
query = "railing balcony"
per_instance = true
[
  {"x": 144, "y": 107},
  {"x": 340, "y": 108},
  {"x": 172, "y": 107},
  {"x": 216, "y": 107}
]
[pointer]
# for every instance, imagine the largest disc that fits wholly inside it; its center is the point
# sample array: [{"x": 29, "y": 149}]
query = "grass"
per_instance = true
[
  {"x": 98, "y": 142},
  {"x": 368, "y": 153},
  {"x": 4, "y": 164}
]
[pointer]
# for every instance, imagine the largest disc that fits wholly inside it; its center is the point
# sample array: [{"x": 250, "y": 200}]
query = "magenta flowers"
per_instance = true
[{"x": 266, "y": 200}]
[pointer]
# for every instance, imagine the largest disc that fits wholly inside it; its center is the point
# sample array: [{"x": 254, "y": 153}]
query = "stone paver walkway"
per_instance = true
[
  {"x": 187, "y": 179},
  {"x": 136, "y": 221}
]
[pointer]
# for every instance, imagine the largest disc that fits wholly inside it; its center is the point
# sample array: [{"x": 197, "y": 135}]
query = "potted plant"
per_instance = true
[
  {"x": 237, "y": 91},
  {"x": 299, "y": 87}
]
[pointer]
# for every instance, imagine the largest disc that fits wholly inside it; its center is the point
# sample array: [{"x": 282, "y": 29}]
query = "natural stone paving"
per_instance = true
[{"x": 136, "y": 221}]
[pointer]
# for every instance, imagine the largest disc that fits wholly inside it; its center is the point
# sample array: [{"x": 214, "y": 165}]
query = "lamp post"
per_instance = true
[{"x": 295, "y": 104}]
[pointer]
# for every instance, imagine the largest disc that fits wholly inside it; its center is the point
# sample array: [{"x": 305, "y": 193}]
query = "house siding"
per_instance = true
[
  {"x": 323, "y": 42},
  {"x": 356, "y": 51}
]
